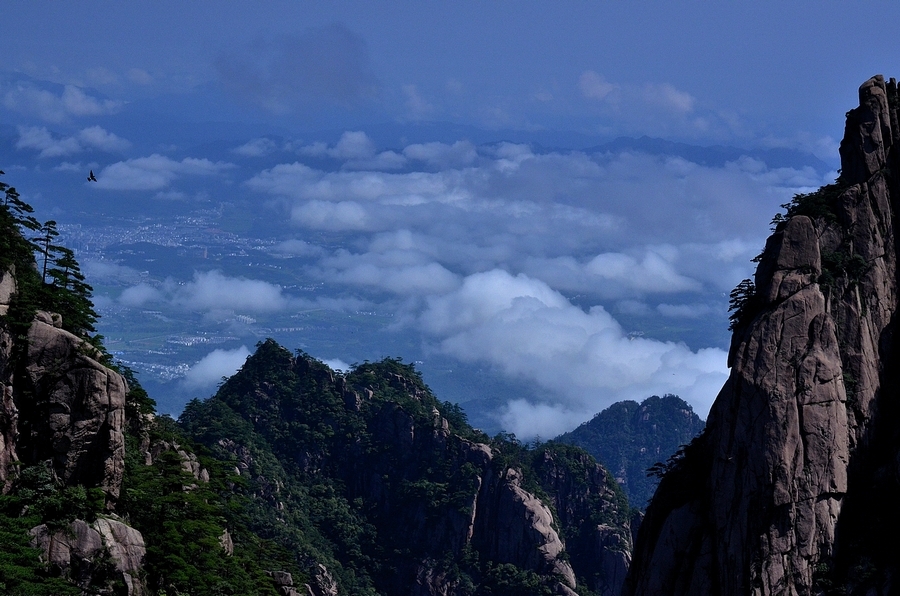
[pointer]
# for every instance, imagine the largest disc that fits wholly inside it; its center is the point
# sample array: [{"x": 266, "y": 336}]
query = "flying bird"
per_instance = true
[{"x": 92, "y": 178}]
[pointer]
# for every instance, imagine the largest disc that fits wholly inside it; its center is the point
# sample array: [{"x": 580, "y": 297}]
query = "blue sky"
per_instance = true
[{"x": 454, "y": 165}]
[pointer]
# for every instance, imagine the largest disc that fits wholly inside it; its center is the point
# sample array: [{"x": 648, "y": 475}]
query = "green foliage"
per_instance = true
[
  {"x": 37, "y": 498},
  {"x": 842, "y": 263},
  {"x": 819, "y": 204},
  {"x": 59, "y": 286},
  {"x": 21, "y": 570},
  {"x": 334, "y": 453},
  {"x": 504, "y": 579},
  {"x": 744, "y": 304},
  {"x": 628, "y": 437},
  {"x": 54, "y": 504},
  {"x": 182, "y": 520},
  {"x": 306, "y": 466}
]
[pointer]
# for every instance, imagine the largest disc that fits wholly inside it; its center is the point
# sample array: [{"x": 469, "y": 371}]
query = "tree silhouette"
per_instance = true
[{"x": 43, "y": 243}]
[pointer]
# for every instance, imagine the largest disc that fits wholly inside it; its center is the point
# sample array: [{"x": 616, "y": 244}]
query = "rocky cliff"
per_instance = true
[
  {"x": 62, "y": 417},
  {"x": 61, "y": 404},
  {"x": 790, "y": 486}
]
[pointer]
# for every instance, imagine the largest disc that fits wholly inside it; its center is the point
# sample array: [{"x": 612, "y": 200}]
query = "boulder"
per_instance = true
[{"x": 80, "y": 553}]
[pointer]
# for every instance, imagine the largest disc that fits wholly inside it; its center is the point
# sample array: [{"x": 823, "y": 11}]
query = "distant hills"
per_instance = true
[
  {"x": 630, "y": 437},
  {"x": 713, "y": 155}
]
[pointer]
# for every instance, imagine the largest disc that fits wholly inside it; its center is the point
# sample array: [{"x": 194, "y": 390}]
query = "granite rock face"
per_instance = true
[
  {"x": 801, "y": 433},
  {"x": 71, "y": 409},
  {"x": 9, "y": 413},
  {"x": 80, "y": 552},
  {"x": 59, "y": 403}
]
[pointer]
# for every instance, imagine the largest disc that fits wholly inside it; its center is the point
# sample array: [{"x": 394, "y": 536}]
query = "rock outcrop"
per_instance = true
[
  {"x": 786, "y": 490},
  {"x": 9, "y": 414},
  {"x": 106, "y": 554},
  {"x": 71, "y": 408},
  {"x": 59, "y": 403},
  {"x": 629, "y": 437}
]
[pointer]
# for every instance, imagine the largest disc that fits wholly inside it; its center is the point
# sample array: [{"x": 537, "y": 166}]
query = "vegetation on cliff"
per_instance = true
[{"x": 629, "y": 438}]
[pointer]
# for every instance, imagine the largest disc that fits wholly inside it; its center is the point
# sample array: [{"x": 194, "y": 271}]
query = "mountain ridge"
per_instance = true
[{"x": 630, "y": 437}]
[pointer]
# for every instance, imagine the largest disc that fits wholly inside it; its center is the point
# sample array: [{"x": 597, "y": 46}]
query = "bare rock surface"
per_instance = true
[
  {"x": 71, "y": 409},
  {"x": 80, "y": 550},
  {"x": 7, "y": 290},
  {"x": 794, "y": 438}
]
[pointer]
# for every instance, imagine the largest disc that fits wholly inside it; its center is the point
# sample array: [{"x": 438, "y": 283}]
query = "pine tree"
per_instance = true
[{"x": 48, "y": 232}]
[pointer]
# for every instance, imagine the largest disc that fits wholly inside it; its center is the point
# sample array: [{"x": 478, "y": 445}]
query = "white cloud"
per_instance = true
[
  {"x": 140, "y": 76},
  {"x": 684, "y": 311},
  {"x": 477, "y": 245},
  {"x": 353, "y": 145},
  {"x": 358, "y": 152},
  {"x": 592, "y": 85},
  {"x": 40, "y": 139},
  {"x": 324, "y": 215},
  {"x": 657, "y": 109},
  {"x": 669, "y": 97},
  {"x": 27, "y": 98},
  {"x": 214, "y": 291},
  {"x": 402, "y": 272},
  {"x": 210, "y": 369},
  {"x": 140, "y": 295},
  {"x": 417, "y": 107},
  {"x": 211, "y": 292},
  {"x": 155, "y": 172},
  {"x": 108, "y": 272},
  {"x": 256, "y": 147},
  {"x": 97, "y": 137},
  {"x": 584, "y": 361},
  {"x": 653, "y": 269},
  {"x": 68, "y": 166},
  {"x": 442, "y": 155},
  {"x": 337, "y": 364},
  {"x": 297, "y": 248}
]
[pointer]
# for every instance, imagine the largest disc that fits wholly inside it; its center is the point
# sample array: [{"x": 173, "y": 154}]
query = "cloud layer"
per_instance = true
[
  {"x": 48, "y": 145},
  {"x": 210, "y": 292},
  {"x": 210, "y": 369},
  {"x": 561, "y": 270},
  {"x": 520, "y": 261},
  {"x": 155, "y": 172},
  {"x": 583, "y": 359},
  {"x": 27, "y": 97}
]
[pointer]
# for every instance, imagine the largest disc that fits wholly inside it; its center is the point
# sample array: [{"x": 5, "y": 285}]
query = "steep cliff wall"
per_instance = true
[
  {"x": 62, "y": 411},
  {"x": 803, "y": 430},
  {"x": 61, "y": 404}
]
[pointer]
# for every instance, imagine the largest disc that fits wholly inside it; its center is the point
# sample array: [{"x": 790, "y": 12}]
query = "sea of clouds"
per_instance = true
[{"x": 499, "y": 255}]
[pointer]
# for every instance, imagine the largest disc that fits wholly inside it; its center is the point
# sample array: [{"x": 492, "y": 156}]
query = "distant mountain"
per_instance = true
[
  {"x": 370, "y": 475},
  {"x": 628, "y": 438},
  {"x": 714, "y": 155}
]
